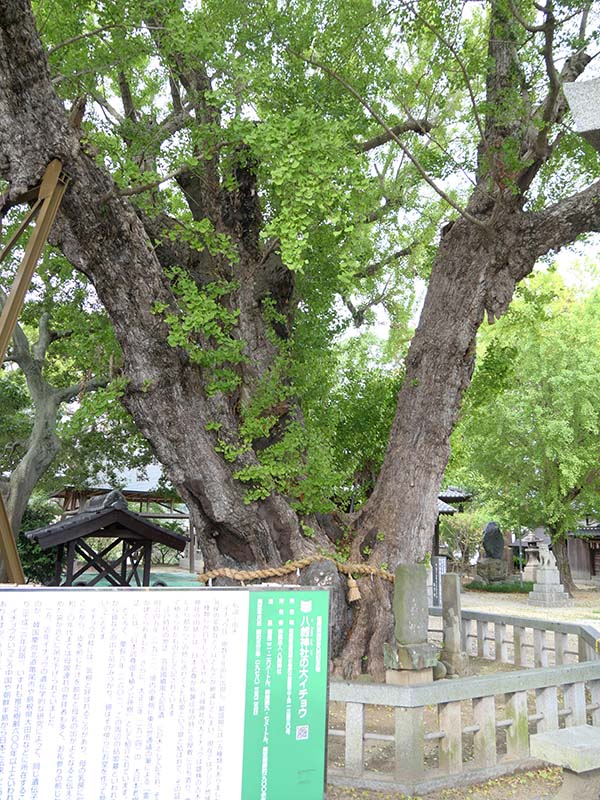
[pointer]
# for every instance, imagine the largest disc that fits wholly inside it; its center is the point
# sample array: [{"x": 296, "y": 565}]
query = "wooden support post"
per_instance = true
[
  {"x": 546, "y": 703},
  {"x": 517, "y": 734},
  {"x": 192, "y": 546},
  {"x": 473, "y": 637},
  {"x": 465, "y": 630},
  {"x": 58, "y": 565},
  {"x": 70, "y": 563},
  {"x": 124, "y": 561},
  {"x": 410, "y": 744},
  {"x": 484, "y": 740},
  {"x": 450, "y": 722},
  {"x": 520, "y": 654},
  {"x": 481, "y": 634},
  {"x": 8, "y": 548},
  {"x": 49, "y": 197},
  {"x": 575, "y": 701},
  {"x": 147, "y": 563},
  {"x": 355, "y": 725},
  {"x": 584, "y": 650}
]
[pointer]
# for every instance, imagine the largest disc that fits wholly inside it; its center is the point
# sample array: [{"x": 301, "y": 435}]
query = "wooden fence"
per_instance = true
[{"x": 455, "y": 732}]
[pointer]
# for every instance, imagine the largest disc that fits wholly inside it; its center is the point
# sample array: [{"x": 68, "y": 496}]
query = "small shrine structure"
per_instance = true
[
  {"x": 447, "y": 496},
  {"x": 125, "y": 556}
]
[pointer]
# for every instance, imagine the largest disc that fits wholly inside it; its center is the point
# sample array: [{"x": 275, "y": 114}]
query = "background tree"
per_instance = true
[
  {"x": 219, "y": 282},
  {"x": 532, "y": 444},
  {"x": 62, "y": 351},
  {"x": 38, "y": 565},
  {"x": 462, "y": 534}
]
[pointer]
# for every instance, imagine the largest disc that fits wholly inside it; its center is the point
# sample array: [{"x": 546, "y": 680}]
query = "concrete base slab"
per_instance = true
[
  {"x": 576, "y": 748},
  {"x": 580, "y": 786}
]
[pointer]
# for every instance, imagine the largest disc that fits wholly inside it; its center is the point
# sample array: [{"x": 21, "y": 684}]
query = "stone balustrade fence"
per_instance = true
[{"x": 424, "y": 737}]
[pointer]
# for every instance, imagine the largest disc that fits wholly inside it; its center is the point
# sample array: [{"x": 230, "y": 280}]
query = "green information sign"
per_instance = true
[{"x": 286, "y": 696}]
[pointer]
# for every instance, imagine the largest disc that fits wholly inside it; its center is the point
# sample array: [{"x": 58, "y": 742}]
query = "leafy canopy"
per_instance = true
[{"x": 529, "y": 434}]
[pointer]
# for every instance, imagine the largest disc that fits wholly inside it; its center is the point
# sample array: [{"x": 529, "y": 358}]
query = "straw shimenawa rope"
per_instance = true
[{"x": 350, "y": 570}]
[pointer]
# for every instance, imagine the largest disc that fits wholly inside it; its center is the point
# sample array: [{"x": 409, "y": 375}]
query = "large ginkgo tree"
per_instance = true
[{"x": 240, "y": 171}]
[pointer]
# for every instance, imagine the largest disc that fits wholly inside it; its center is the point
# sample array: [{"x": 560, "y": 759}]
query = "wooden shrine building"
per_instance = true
[
  {"x": 123, "y": 558},
  {"x": 452, "y": 495}
]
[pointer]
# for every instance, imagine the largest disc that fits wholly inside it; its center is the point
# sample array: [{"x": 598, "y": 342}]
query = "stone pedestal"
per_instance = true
[
  {"x": 453, "y": 657},
  {"x": 548, "y": 590},
  {"x": 492, "y": 570},
  {"x": 577, "y": 750},
  {"x": 579, "y": 787},
  {"x": 408, "y": 677},
  {"x": 411, "y": 651}
]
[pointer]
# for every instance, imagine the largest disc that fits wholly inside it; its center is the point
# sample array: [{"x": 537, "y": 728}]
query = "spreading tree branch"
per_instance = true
[
  {"x": 46, "y": 335},
  {"x": 410, "y": 125},
  {"x": 78, "y": 389},
  {"x": 145, "y": 187},
  {"x": 87, "y": 35},
  {"x": 392, "y": 136},
  {"x": 560, "y": 224},
  {"x": 376, "y": 266}
]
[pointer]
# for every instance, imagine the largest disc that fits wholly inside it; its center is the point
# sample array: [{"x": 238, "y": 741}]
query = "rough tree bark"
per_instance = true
[
  {"x": 102, "y": 235},
  {"x": 480, "y": 259},
  {"x": 559, "y": 548}
]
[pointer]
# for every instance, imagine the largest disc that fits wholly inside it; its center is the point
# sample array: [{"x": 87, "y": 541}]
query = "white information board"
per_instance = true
[{"x": 132, "y": 694}]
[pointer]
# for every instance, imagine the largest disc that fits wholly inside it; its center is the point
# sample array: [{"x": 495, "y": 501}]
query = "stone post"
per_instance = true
[
  {"x": 411, "y": 658},
  {"x": 454, "y": 658},
  {"x": 438, "y": 570}
]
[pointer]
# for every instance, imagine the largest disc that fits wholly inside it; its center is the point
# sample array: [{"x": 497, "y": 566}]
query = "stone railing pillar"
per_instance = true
[{"x": 411, "y": 658}]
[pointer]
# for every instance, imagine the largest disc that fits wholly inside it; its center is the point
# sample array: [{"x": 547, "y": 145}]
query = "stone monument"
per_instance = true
[
  {"x": 453, "y": 656},
  {"x": 548, "y": 590},
  {"x": 492, "y": 567},
  {"x": 411, "y": 658}
]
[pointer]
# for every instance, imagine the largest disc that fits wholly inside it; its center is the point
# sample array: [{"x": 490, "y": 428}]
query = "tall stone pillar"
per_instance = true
[
  {"x": 454, "y": 658},
  {"x": 411, "y": 658}
]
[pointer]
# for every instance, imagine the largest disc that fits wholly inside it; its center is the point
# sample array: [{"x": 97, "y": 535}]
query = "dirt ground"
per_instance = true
[{"x": 538, "y": 785}]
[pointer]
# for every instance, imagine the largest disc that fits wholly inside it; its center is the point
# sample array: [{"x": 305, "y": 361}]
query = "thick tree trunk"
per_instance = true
[
  {"x": 42, "y": 448},
  {"x": 104, "y": 238},
  {"x": 560, "y": 550},
  {"x": 398, "y": 522},
  {"x": 102, "y": 235}
]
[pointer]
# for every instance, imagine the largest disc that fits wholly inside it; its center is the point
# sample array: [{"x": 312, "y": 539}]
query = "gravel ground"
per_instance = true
[{"x": 585, "y": 607}]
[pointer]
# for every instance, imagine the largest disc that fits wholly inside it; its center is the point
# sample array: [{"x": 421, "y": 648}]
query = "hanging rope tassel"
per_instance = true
[{"x": 353, "y": 590}]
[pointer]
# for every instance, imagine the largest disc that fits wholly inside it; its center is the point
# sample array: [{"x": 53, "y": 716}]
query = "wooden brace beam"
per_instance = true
[{"x": 46, "y": 202}]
